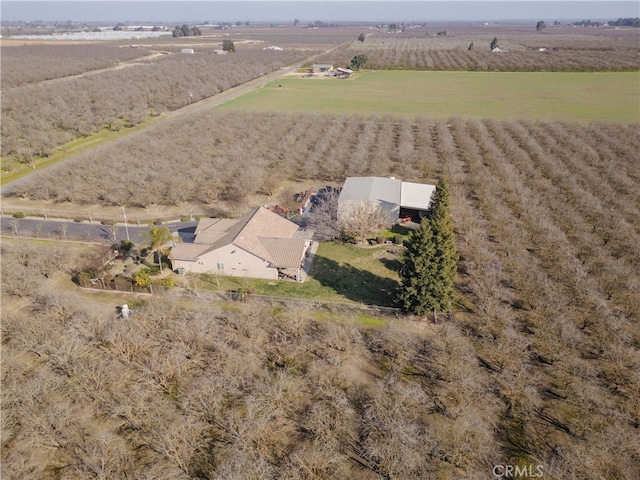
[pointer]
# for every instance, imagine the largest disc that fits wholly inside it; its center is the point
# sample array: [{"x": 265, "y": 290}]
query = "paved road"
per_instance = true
[{"x": 88, "y": 232}]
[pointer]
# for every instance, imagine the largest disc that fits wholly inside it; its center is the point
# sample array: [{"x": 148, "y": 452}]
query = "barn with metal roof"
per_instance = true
[{"x": 391, "y": 196}]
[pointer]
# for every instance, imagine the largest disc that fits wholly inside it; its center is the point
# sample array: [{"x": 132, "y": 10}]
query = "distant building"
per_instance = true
[
  {"x": 273, "y": 48},
  {"x": 323, "y": 67},
  {"x": 391, "y": 196},
  {"x": 187, "y": 50}
]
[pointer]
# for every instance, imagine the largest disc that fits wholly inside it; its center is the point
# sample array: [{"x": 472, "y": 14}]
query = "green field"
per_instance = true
[{"x": 581, "y": 97}]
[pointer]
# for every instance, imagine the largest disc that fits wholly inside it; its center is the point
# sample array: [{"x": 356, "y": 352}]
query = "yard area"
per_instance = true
[{"x": 340, "y": 273}]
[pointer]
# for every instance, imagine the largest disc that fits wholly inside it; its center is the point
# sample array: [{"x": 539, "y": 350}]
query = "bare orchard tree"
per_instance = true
[
  {"x": 62, "y": 230},
  {"x": 323, "y": 218},
  {"x": 113, "y": 233},
  {"x": 37, "y": 230},
  {"x": 14, "y": 225},
  {"x": 363, "y": 219}
]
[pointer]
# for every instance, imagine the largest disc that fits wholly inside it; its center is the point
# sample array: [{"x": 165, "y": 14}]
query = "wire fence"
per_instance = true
[
  {"x": 124, "y": 287},
  {"x": 290, "y": 302}
]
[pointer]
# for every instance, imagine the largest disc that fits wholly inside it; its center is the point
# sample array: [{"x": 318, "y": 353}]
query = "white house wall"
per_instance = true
[{"x": 234, "y": 261}]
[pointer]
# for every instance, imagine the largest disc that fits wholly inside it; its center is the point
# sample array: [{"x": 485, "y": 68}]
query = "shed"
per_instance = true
[
  {"x": 323, "y": 67},
  {"x": 393, "y": 197}
]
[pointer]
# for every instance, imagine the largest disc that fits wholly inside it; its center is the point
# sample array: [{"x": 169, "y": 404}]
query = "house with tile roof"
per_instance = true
[{"x": 260, "y": 244}]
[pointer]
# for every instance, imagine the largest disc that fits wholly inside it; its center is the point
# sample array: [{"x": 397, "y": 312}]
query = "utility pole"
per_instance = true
[{"x": 126, "y": 227}]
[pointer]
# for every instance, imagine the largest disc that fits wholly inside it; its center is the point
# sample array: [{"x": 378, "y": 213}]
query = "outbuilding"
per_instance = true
[
  {"x": 344, "y": 72},
  {"x": 392, "y": 197},
  {"x": 323, "y": 67}
]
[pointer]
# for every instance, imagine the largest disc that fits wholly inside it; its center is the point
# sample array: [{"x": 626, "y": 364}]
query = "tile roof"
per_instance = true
[
  {"x": 260, "y": 232},
  {"x": 189, "y": 251},
  {"x": 211, "y": 230},
  {"x": 263, "y": 223},
  {"x": 285, "y": 252}
]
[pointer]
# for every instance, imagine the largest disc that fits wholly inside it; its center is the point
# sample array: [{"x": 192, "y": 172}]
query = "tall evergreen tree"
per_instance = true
[
  {"x": 429, "y": 269},
  {"x": 446, "y": 255},
  {"x": 418, "y": 274}
]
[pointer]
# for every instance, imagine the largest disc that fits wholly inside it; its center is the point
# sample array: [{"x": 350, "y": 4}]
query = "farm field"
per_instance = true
[
  {"x": 466, "y": 48},
  {"x": 579, "y": 97},
  {"x": 231, "y": 159},
  {"x": 537, "y": 365}
]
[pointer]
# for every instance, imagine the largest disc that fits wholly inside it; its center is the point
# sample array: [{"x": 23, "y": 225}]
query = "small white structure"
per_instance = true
[
  {"x": 274, "y": 48},
  {"x": 124, "y": 311},
  {"x": 187, "y": 50}
]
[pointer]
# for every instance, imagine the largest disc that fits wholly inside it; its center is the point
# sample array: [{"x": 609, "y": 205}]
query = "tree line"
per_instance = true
[
  {"x": 620, "y": 22},
  {"x": 186, "y": 31}
]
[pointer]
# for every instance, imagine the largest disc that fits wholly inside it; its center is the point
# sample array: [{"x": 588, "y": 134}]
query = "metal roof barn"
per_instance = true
[
  {"x": 390, "y": 194},
  {"x": 416, "y": 195}
]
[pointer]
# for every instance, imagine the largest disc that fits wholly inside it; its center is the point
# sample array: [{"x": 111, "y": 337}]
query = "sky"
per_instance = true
[{"x": 312, "y": 10}]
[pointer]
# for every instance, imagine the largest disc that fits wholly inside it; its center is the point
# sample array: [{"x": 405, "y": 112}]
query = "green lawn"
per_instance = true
[
  {"x": 537, "y": 95},
  {"x": 340, "y": 273}
]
